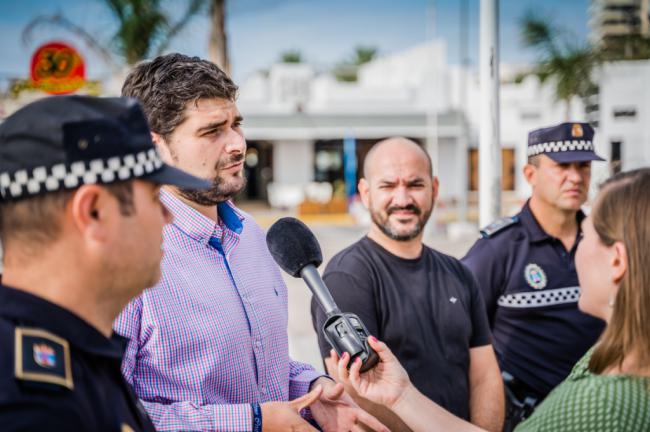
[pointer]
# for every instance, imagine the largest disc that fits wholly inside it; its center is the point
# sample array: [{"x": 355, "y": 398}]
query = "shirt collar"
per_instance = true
[
  {"x": 32, "y": 311},
  {"x": 535, "y": 230},
  {"x": 199, "y": 226}
]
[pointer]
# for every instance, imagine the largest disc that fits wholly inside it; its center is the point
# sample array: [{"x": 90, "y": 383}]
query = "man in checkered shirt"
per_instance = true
[{"x": 208, "y": 347}]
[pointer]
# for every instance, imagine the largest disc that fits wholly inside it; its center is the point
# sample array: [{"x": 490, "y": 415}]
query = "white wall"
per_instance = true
[
  {"x": 448, "y": 170},
  {"x": 625, "y": 86},
  {"x": 293, "y": 162}
]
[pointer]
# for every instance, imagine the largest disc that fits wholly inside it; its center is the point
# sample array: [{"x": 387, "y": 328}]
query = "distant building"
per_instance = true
[
  {"x": 624, "y": 132},
  {"x": 296, "y": 121},
  {"x": 621, "y": 28},
  {"x": 615, "y": 18}
]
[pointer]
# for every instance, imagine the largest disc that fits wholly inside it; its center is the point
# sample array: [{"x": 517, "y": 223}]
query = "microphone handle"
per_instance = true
[{"x": 317, "y": 286}]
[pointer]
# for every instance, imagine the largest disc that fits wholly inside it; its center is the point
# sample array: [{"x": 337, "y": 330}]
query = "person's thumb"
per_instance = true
[
  {"x": 382, "y": 350},
  {"x": 308, "y": 399},
  {"x": 334, "y": 392}
]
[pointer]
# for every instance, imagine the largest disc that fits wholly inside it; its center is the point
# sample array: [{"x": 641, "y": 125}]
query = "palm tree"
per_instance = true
[
  {"x": 291, "y": 56},
  {"x": 347, "y": 70},
  {"x": 144, "y": 28},
  {"x": 564, "y": 61},
  {"x": 218, "y": 42}
]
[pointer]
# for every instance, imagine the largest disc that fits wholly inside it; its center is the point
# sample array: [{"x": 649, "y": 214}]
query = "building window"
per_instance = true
[{"x": 624, "y": 112}]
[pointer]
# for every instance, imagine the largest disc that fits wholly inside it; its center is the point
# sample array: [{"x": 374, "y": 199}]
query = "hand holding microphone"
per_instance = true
[
  {"x": 296, "y": 250},
  {"x": 385, "y": 384}
]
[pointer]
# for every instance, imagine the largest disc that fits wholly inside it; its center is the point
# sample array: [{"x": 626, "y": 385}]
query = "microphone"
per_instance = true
[{"x": 295, "y": 249}]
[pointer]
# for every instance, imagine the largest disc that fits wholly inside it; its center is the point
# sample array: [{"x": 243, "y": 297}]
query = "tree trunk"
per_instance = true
[
  {"x": 218, "y": 44},
  {"x": 567, "y": 109}
]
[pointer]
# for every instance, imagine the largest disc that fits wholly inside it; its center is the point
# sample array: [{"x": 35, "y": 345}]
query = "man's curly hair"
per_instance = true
[{"x": 165, "y": 85}]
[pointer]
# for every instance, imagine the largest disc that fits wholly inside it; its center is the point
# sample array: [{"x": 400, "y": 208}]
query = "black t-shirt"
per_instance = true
[{"x": 428, "y": 310}]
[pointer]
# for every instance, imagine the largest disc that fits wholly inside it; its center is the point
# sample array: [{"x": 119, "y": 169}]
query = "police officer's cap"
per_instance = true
[
  {"x": 564, "y": 143},
  {"x": 63, "y": 142}
]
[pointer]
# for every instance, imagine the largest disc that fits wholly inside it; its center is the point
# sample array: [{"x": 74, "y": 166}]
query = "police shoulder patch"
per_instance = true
[
  {"x": 498, "y": 225},
  {"x": 42, "y": 357}
]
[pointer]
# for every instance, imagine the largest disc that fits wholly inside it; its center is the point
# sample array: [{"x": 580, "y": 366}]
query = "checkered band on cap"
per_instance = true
[
  {"x": 560, "y": 146},
  {"x": 38, "y": 180}
]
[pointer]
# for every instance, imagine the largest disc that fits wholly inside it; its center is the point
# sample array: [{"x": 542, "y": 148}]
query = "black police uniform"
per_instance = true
[
  {"x": 57, "y": 372},
  {"x": 531, "y": 290}
]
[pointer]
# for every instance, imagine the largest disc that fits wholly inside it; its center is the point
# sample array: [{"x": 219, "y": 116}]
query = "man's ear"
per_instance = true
[
  {"x": 163, "y": 147},
  {"x": 364, "y": 191},
  {"x": 435, "y": 188},
  {"x": 89, "y": 209},
  {"x": 530, "y": 174}
]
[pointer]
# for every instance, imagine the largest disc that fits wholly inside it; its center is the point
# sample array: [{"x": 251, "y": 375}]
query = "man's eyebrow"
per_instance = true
[
  {"x": 415, "y": 180},
  {"x": 210, "y": 127}
]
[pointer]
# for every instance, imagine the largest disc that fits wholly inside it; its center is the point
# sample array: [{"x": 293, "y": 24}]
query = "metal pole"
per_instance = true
[
  {"x": 431, "y": 139},
  {"x": 464, "y": 136},
  {"x": 489, "y": 143},
  {"x": 432, "y": 107}
]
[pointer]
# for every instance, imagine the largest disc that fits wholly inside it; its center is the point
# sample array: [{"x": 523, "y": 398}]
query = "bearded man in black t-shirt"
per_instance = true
[{"x": 424, "y": 304}]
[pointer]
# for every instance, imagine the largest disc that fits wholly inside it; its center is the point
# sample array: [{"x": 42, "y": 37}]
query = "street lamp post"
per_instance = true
[{"x": 489, "y": 142}]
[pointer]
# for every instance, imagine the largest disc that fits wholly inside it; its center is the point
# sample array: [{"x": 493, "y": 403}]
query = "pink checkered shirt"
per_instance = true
[{"x": 211, "y": 337}]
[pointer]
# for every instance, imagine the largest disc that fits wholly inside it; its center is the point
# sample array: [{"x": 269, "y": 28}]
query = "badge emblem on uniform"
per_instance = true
[
  {"x": 535, "y": 276},
  {"x": 44, "y": 355}
]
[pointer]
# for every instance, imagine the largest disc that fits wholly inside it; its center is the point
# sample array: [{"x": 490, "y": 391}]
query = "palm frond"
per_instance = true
[{"x": 193, "y": 8}]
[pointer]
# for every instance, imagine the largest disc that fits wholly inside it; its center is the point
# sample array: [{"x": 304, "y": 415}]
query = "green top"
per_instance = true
[{"x": 585, "y": 402}]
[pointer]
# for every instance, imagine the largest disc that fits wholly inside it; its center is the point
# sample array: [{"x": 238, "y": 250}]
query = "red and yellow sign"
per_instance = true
[{"x": 57, "y": 68}]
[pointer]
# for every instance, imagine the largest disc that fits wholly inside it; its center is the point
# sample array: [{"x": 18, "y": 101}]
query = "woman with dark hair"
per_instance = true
[{"x": 609, "y": 388}]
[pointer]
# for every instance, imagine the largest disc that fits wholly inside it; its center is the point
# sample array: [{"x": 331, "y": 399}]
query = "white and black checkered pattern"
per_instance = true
[
  {"x": 560, "y": 146},
  {"x": 540, "y": 298},
  {"x": 61, "y": 176}
]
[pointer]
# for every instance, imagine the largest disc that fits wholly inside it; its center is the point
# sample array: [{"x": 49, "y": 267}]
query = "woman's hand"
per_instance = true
[
  {"x": 384, "y": 384},
  {"x": 388, "y": 384}
]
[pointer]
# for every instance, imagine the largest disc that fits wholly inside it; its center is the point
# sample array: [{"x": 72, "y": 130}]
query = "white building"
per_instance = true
[
  {"x": 616, "y": 18},
  {"x": 624, "y": 133},
  {"x": 296, "y": 120}
]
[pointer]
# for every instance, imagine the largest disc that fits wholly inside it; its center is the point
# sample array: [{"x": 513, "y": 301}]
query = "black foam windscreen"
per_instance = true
[{"x": 293, "y": 245}]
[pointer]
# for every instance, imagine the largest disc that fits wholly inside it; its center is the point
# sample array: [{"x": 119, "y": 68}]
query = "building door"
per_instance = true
[
  {"x": 615, "y": 161},
  {"x": 258, "y": 169},
  {"x": 507, "y": 169}
]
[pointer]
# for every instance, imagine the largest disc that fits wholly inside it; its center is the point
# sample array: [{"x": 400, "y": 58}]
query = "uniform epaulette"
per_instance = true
[
  {"x": 42, "y": 357},
  {"x": 498, "y": 225}
]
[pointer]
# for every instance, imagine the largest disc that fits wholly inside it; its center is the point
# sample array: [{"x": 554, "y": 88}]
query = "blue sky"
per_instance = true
[{"x": 324, "y": 31}]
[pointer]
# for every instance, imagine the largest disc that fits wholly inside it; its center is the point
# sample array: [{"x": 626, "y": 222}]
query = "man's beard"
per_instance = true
[
  {"x": 220, "y": 190},
  {"x": 384, "y": 225}
]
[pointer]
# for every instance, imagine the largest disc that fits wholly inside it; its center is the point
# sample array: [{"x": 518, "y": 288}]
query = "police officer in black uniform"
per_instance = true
[
  {"x": 525, "y": 267},
  {"x": 87, "y": 170}
]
